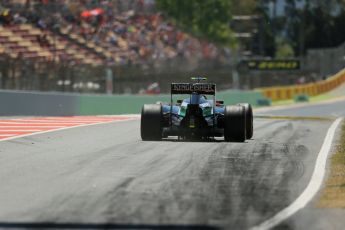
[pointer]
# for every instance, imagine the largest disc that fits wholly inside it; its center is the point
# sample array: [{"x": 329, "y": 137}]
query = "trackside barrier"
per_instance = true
[
  {"x": 21, "y": 103},
  {"x": 131, "y": 104},
  {"x": 311, "y": 89},
  {"x": 301, "y": 98}
]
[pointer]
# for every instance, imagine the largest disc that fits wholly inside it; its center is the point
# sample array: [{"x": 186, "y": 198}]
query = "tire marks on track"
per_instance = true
[{"x": 312, "y": 188}]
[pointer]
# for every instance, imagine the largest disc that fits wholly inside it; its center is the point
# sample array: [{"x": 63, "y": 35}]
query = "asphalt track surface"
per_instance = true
[{"x": 104, "y": 177}]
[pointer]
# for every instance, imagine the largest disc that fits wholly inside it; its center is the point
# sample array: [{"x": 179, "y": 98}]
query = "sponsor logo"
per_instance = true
[
  {"x": 190, "y": 88},
  {"x": 273, "y": 64}
]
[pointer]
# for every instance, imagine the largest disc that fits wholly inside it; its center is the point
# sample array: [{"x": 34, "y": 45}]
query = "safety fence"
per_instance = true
[{"x": 310, "y": 89}]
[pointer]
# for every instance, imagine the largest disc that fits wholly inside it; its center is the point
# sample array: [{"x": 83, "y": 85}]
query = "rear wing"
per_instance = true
[{"x": 189, "y": 88}]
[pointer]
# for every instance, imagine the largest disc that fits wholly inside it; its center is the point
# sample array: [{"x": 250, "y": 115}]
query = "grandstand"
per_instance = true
[
  {"x": 127, "y": 37},
  {"x": 25, "y": 41},
  {"x": 94, "y": 34}
]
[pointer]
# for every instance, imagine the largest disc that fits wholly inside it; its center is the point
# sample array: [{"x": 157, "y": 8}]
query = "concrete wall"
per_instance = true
[
  {"x": 18, "y": 103},
  {"x": 14, "y": 103}
]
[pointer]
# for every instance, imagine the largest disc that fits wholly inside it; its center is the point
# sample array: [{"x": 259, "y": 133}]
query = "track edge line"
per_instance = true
[{"x": 313, "y": 187}]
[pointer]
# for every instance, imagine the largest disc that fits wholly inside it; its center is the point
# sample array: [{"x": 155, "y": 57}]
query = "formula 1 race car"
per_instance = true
[{"x": 196, "y": 117}]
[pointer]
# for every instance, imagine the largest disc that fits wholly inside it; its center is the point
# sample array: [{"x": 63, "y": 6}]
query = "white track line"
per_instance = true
[
  {"x": 7, "y": 135},
  {"x": 313, "y": 186},
  {"x": 30, "y": 126},
  {"x": 48, "y": 121},
  {"x": 72, "y": 119},
  {"x": 20, "y": 130},
  {"x": 64, "y": 128},
  {"x": 40, "y": 123},
  {"x": 32, "y": 121},
  {"x": 57, "y": 120}
]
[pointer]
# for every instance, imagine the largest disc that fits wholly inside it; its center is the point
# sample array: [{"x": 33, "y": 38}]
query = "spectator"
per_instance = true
[
  {"x": 18, "y": 19},
  {"x": 43, "y": 40},
  {"x": 41, "y": 24},
  {"x": 5, "y": 16},
  {"x": 114, "y": 26}
]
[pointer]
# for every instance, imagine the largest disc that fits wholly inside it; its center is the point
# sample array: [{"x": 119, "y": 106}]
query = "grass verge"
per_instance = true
[{"x": 333, "y": 195}]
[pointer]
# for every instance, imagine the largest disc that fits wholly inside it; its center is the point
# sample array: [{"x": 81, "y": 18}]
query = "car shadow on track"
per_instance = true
[
  {"x": 52, "y": 225},
  {"x": 211, "y": 140},
  {"x": 196, "y": 140}
]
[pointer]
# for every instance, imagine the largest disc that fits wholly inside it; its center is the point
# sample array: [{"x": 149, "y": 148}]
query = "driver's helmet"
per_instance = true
[{"x": 197, "y": 98}]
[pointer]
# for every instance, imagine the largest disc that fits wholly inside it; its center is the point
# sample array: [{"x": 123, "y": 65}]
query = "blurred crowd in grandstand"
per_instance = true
[
  {"x": 128, "y": 34},
  {"x": 131, "y": 30}
]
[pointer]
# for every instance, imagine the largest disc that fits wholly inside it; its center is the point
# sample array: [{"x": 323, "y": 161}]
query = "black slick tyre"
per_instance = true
[
  {"x": 249, "y": 119},
  {"x": 235, "y": 123},
  {"x": 151, "y": 122}
]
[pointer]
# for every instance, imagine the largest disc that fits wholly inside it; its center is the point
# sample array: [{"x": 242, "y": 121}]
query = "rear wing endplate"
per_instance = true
[{"x": 189, "y": 88}]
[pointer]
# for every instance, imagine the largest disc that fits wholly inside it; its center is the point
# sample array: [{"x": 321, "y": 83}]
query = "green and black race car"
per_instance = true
[{"x": 196, "y": 116}]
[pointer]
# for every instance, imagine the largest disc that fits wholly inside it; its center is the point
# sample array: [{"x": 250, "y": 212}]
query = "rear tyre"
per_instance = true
[
  {"x": 235, "y": 123},
  {"x": 249, "y": 119},
  {"x": 151, "y": 122}
]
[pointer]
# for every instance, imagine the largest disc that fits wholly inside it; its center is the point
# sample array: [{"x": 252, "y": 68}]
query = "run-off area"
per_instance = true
[{"x": 11, "y": 128}]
